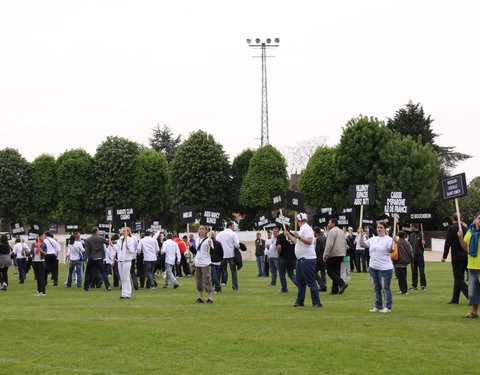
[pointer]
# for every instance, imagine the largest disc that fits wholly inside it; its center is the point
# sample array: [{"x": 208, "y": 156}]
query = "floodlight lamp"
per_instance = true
[
  {"x": 277, "y": 40},
  {"x": 257, "y": 40},
  {"x": 249, "y": 41},
  {"x": 269, "y": 40}
]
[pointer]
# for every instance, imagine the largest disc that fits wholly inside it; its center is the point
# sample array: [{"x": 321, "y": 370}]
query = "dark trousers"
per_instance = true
[
  {"x": 22, "y": 262},
  {"x": 267, "y": 266},
  {"x": 94, "y": 266},
  {"x": 183, "y": 265},
  {"x": 286, "y": 266},
  {"x": 233, "y": 269},
  {"x": 360, "y": 260},
  {"x": 305, "y": 276},
  {"x": 333, "y": 271},
  {"x": 116, "y": 275},
  {"x": 133, "y": 274},
  {"x": 401, "y": 273},
  {"x": 4, "y": 275},
  {"x": 148, "y": 267},
  {"x": 39, "y": 270},
  {"x": 215, "y": 273},
  {"x": 224, "y": 272},
  {"x": 418, "y": 266},
  {"x": 459, "y": 267},
  {"x": 322, "y": 278},
  {"x": 51, "y": 266}
]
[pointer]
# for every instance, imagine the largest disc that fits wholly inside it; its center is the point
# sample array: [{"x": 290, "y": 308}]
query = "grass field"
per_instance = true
[{"x": 254, "y": 331}]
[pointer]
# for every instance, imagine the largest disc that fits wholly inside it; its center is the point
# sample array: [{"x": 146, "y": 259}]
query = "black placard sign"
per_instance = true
[
  {"x": 384, "y": 219},
  {"x": 9, "y": 236},
  {"x": 396, "y": 202},
  {"x": 186, "y": 215},
  {"x": 445, "y": 224},
  {"x": 420, "y": 217},
  {"x": 104, "y": 226},
  {"x": 295, "y": 201},
  {"x": 109, "y": 214},
  {"x": 211, "y": 217},
  {"x": 320, "y": 220},
  {"x": 368, "y": 221},
  {"x": 121, "y": 214},
  {"x": 345, "y": 218},
  {"x": 18, "y": 229},
  {"x": 138, "y": 226},
  {"x": 362, "y": 195},
  {"x": 454, "y": 186},
  {"x": 286, "y": 219},
  {"x": 32, "y": 236},
  {"x": 53, "y": 228},
  {"x": 35, "y": 227},
  {"x": 72, "y": 227},
  {"x": 261, "y": 221},
  {"x": 277, "y": 199}
]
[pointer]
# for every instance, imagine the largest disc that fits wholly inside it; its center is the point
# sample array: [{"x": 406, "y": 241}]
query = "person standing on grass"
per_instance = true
[
  {"x": 39, "y": 251},
  {"x": 335, "y": 250},
  {"x": 202, "y": 265},
  {"x": 94, "y": 255},
  {"x": 405, "y": 257},
  {"x": 229, "y": 240},
  {"x": 320, "y": 242},
  {"x": 459, "y": 260},
  {"x": 125, "y": 249},
  {"x": 216, "y": 255},
  {"x": 306, "y": 261},
  {"x": 148, "y": 246},
  {"x": 172, "y": 257},
  {"x": 75, "y": 252},
  {"x": 287, "y": 261},
  {"x": 5, "y": 261},
  {"x": 21, "y": 249},
  {"x": 418, "y": 264},
  {"x": 360, "y": 255},
  {"x": 471, "y": 244},
  {"x": 381, "y": 266},
  {"x": 51, "y": 260},
  {"x": 273, "y": 256},
  {"x": 260, "y": 254}
]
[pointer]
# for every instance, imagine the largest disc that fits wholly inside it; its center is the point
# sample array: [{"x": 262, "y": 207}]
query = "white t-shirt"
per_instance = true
[
  {"x": 302, "y": 250},
  {"x": 202, "y": 258},
  {"x": 380, "y": 253},
  {"x": 272, "y": 247}
]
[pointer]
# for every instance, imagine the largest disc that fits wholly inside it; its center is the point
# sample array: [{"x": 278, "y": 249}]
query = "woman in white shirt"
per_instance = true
[
  {"x": 381, "y": 266},
  {"x": 202, "y": 265},
  {"x": 125, "y": 248},
  {"x": 75, "y": 252},
  {"x": 21, "y": 249}
]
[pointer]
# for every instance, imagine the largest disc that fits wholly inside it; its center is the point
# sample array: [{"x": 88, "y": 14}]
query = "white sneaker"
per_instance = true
[
  {"x": 374, "y": 310},
  {"x": 385, "y": 310}
]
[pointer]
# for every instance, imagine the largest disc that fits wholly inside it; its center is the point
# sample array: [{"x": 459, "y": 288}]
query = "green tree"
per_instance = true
[
  {"x": 267, "y": 172},
  {"x": 470, "y": 204},
  {"x": 113, "y": 173},
  {"x": 412, "y": 121},
  {"x": 164, "y": 141},
  {"x": 150, "y": 183},
  {"x": 409, "y": 166},
  {"x": 239, "y": 170},
  {"x": 356, "y": 159},
  {"x": 74, "y": 186},
  {"x": 44, "y": 187},
  {"x": 16, "y": 186},
  {"x": 318, "y": 179},
  {"x": 199, "y": 173}
]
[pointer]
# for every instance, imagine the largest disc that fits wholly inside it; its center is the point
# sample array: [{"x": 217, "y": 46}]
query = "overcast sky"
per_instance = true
[{"x": 74, "y": 72}]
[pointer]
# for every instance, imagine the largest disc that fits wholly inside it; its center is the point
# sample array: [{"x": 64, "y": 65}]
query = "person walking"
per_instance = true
[
  {"x": 5, "y": 261},
  {"x": 335, "y": 250},
  {"x": 459, "y": 260},
  {"x": 381, "y": 266},
  {"x": 39, "y": 251},
  {"x": 287, "y": 261},
  {"x": 21, "y": 249},
  {"x": 273, "y": 256},
  {"x": 306, "y": 261},
  {"x": 172, "y": 257},
  {"x": 51, "y": 259},
  {"x": 229, "y": 240},
  {"x": 405, "y": 257},
  {"x": 418, "y": 265},
  {"x": 260, "y": 254},
  {"x": 320, "y": 242},
  {"x": 148, "y": 246},
  {"x": 94, "y": 255}
]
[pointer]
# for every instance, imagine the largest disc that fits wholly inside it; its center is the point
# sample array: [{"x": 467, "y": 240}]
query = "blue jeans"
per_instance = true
[
  {"x": 381, "y": 280},
  {"x": 306, "y": 276},
  {"x": 215, "y": 274},
  {"x": 286, "y": 266},
  {"x": 273, "y": 263},
  {"x": 148, "y": 268},
  {"x": 77, "y": 265},
  {"x": 169, "y": 272},
  {"x": 261, "y": 265}
]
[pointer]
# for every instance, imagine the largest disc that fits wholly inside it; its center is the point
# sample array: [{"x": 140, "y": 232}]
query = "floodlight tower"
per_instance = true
[{"x": 263, "y": 45}]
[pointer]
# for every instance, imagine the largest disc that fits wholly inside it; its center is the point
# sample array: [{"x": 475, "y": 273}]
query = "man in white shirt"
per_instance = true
[
  {"x": 306, "y": 261},
  {"x": 172, "y": 257},
  {"x": 149, "y": 247},
  {"x": 51, "y": 259},
  {"x": 229, "y": 240}
]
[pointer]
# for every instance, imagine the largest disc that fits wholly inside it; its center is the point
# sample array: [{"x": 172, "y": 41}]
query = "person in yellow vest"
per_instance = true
[{"x": 471, "y": 245}]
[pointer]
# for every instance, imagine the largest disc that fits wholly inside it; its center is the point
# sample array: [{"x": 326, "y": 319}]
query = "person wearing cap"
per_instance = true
[{"x": 306, "y": 261}]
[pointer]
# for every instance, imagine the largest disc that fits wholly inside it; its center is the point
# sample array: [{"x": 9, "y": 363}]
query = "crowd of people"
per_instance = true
[{"x": 306, "y": 256}]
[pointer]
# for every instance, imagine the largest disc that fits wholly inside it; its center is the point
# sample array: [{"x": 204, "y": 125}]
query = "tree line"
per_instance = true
[{"x": 400, "y": 154}]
